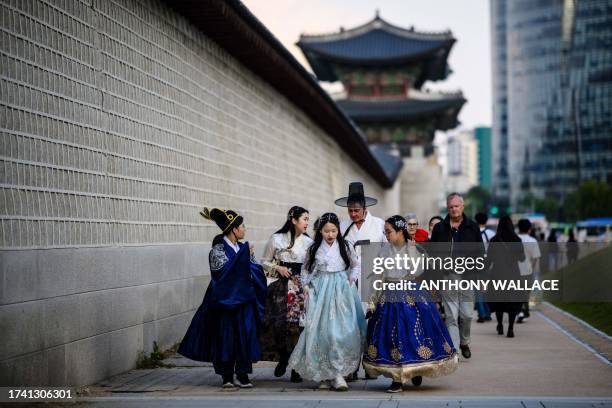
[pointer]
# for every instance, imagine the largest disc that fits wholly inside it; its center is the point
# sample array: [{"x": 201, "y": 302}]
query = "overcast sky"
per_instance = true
[{"x": 468, "y": 20}]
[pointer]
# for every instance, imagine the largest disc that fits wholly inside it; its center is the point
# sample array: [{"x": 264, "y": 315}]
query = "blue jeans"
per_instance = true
[{"x": 481, "y": 306}]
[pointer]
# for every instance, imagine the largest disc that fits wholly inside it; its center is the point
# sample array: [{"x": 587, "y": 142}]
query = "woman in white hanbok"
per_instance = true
[{"x": 331, "y": 343}]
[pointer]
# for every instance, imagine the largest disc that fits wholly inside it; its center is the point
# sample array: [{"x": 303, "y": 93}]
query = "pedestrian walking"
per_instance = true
[
  {"x": 406, "y": 337},
  {"x": 331, "y": 344},
  {"x": 503, "y": 257},
  {"x": 224, "y": 329},
  {"x": 282, "y": 261},
  {"x": 457, "y": 228}
]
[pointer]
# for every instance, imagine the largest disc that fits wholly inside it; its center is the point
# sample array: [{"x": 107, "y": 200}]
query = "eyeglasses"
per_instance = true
[{"x": 411, "y": 224}]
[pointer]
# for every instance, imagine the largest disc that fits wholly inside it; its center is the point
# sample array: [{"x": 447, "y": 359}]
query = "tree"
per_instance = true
[
  {"x": 477, "y": 199},
  {"x": 591, "y": 199},
  {"x": 547, "y": 206}
]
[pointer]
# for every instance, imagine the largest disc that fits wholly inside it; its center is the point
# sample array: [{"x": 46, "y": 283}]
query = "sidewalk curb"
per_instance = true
[
  {"x": 603, "y": 357},
  {"x": 578, "y": 320}
]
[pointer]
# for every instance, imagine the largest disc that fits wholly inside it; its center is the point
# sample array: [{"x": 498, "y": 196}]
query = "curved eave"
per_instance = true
[
  {"x": 377, "y": 23},
  {"x": 371, "y": 112},
  {"x": 375, "y": 60},
  {"x": 322, "y": 63},
  {"x": 391, "y": 163}
]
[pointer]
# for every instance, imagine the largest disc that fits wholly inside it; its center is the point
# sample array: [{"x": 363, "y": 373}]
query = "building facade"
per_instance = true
[
  {"x": 559, "y": 95},
  {"x": 483, "y": 138},
  {"x": 499, "y": 131},
  {"x": 461, "y": 161}
]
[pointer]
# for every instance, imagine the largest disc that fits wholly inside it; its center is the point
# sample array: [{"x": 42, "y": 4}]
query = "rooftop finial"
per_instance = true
[{"x": 377, "y": 16}]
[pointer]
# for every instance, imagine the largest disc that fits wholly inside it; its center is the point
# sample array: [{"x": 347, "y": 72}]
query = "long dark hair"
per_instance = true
[
  {"x": 505, "y": 230},
  {"x": 398, "y": 223},
  {"x": 294, "y": 214},
  {"x": 342, "y": 244}
]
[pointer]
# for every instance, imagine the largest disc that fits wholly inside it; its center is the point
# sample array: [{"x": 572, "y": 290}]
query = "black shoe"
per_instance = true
[
  {"x": 480, "y": 320},
  {"x": 488, "y": 319},
  {"x": 510, "y": 333},
  {"x": 465, "y": 351},
  {"x": 228, "y": 381},
  {"x": 395, "y": 387},
  {"x": 520, "y": 319},
  {"x": 500, "y": 329},
  {"x": 281, "y": 369},
  {"x": 243, "y": 381},
  {"x": 418, "y": 380},
  {"x": 295, "y": 377}
]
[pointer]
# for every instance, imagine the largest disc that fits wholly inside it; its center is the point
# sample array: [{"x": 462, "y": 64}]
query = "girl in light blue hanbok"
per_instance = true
[{"x": 330, "y": 346}]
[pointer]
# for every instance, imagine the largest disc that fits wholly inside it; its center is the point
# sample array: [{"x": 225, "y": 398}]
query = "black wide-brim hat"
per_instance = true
[{"x": 356, "y": 196}]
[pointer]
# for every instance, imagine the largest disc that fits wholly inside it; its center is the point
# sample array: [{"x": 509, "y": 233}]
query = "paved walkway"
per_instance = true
[{"x": 542, "y": 366}]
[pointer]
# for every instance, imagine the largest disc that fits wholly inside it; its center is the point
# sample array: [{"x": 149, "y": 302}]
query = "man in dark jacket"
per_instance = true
[{"x": 457, "y": 228}]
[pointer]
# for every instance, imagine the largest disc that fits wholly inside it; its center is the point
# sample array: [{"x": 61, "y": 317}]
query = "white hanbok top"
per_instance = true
[
  {"x": 372, "y": 229},
  {"x": 328, "y": 259},
  {"x": 277, "y": 249}
]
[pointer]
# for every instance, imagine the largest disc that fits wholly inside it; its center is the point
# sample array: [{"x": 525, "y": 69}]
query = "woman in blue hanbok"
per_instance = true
[
  {"x": 225, "y": 327},
  {"x": 406, "y": 337},
  {"x": 331, "y": 344}
]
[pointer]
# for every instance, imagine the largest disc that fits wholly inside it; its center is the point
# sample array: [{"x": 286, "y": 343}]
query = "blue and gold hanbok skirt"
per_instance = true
[{"x": 406, "y": 338}]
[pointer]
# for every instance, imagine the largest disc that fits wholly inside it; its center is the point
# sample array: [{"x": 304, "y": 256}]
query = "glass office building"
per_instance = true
[
  {"x": 499, "y": 132},
  {"x": 554, "y": 97}
]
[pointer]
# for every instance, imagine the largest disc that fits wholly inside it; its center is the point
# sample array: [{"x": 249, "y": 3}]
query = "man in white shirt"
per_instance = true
[
  {"x": 529, "y": 265},
  {"x": 484, "y": 314},
  {"x": 362, "y": 227},
  {"x": 486, "y": 233}
]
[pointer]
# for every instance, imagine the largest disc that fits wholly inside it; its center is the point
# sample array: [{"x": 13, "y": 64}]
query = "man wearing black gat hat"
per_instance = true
[
  {"x": 362, "y": 226},
  {"x": 224, "y": 330}
]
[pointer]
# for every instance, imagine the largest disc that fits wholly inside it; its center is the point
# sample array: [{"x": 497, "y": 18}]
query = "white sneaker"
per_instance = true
[
  {"x": 324, "y": 385},
  {"x": 340, "y": 383}
]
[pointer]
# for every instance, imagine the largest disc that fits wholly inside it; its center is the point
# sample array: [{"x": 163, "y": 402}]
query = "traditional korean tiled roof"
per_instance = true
[
  {"x": 391, "y": 163},
  {"x": 377, "y": 43},
  {"x": 443, "y": 108}
]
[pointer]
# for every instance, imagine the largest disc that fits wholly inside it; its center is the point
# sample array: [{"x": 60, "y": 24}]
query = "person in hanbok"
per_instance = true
[
  {"x": 331, "y": 344},
  {"x": 224, "y": 329},
  {"x": 406, "y": 337},
  {"x": 282, "y": 262},
  {"x": 361, "y": 229}
]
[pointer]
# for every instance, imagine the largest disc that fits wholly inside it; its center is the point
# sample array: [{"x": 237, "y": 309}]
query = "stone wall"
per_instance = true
[{"x": 119, "y": 121}]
